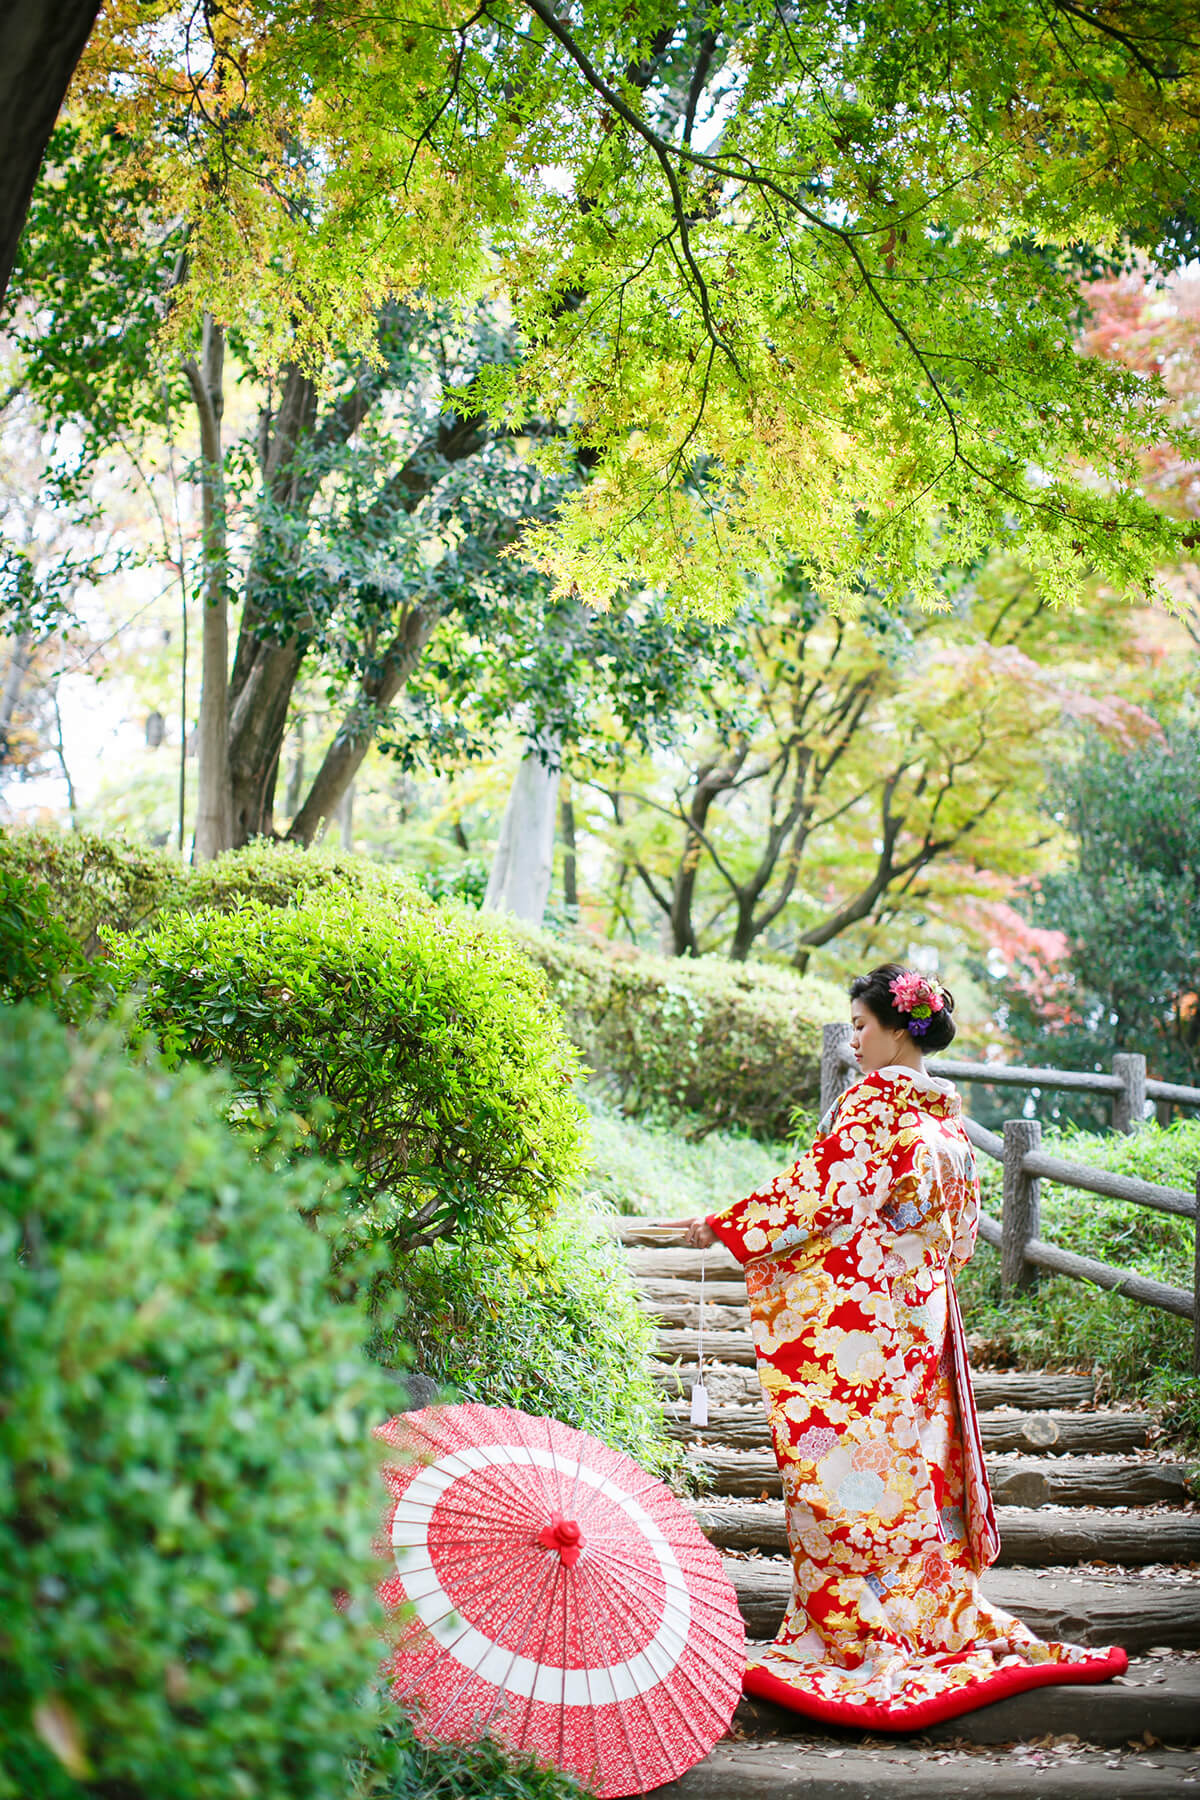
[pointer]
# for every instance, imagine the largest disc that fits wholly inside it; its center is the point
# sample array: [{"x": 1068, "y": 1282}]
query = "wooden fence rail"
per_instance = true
[{"x": 1017, "y": 1233}]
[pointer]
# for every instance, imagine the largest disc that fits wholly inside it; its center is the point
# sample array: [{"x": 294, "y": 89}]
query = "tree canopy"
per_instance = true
[
  {"x": 1126, "y": 911},
  {"x": 803, "y": 279}
]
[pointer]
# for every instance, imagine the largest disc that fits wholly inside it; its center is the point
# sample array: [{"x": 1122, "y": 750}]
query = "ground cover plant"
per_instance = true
[
  {"x": 186, "y": 1469},
  {"x": 1140, "y": 1352},
  {"x": 415, "y": 1043},
  {"x": 549, "y": 1324},
  {"x": 640, "y": 1167}
]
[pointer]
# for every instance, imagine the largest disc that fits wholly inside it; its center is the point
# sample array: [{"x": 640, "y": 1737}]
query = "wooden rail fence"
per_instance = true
[{"x": 1017, "y": 1233}]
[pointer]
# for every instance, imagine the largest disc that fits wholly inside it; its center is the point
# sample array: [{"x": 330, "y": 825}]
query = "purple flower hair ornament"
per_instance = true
[{"x": 920, "y": 996}]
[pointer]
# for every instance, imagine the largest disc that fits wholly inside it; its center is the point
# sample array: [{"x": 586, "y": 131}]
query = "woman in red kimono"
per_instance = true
[{"x": 850, "y": 1258}]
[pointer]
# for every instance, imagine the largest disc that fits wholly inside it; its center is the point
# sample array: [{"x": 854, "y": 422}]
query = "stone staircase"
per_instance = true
[{"x": 1101, "y": 1544}]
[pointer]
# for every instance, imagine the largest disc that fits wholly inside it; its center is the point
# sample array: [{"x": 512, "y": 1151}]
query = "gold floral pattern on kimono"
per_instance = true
[{"x": 850, "y": 1258}]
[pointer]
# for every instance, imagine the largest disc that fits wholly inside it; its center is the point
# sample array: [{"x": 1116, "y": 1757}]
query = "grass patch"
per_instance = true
[
  {"x": 647, "y": 1170},
  {"x": 1135, "y": 1352}
]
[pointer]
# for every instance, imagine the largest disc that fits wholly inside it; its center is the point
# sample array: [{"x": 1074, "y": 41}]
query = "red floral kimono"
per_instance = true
[{"x": 849, "y": 1264}]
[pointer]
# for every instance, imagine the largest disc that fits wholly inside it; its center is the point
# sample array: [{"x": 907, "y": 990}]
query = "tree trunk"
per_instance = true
[
  {"x": 14, "y": 675},
  {"x": 343, "y": 818},
  {"x": 295, "y": 786},
  {"x": 40, "y": 43},
  {"x": 257, "y": 727},
  {"x": 344, "y": 757},
  {"x": 524, "y": 859},
  {"x": 570, "y": 864},
  {"x": 214, "y": 802},
  {"x": 713, "y": 779},
  {"x": 265, "y": 667}
]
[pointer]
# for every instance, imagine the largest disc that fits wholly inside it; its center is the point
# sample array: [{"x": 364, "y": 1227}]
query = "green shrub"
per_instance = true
[
  {"x": 1138, "y": 1351},
  {"x": 466, "y": 881},
  {"x": 416, "y": 1043},
  {"x": 93, "y": 882},
  {"x": 186, "y": 1471},
  {"x": 551, "y": 1326},
  {"x": 39, "y": 959},
  {"x": 400, "y": 1766},
  {"x": 732, "y": 1046},
  {"x": 281, "y": 874}
]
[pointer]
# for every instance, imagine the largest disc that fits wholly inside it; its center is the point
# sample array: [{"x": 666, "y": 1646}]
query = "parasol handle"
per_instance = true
[{"x": 565, "y": 1536}]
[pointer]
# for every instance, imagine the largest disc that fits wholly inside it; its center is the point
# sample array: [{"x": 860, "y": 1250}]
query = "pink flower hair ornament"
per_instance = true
[{"x": 920, "y": 996}]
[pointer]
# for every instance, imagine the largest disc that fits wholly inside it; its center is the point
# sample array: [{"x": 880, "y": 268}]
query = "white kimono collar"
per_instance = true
[{"x": 920, "y": 1078}]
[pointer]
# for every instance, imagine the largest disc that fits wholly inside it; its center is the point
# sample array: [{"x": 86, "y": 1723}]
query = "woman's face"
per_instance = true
[{"x": 874, "y": 1046}]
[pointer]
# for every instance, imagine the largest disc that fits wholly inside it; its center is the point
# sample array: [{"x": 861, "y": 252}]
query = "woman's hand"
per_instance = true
[{"x": 696, "y": 1232}]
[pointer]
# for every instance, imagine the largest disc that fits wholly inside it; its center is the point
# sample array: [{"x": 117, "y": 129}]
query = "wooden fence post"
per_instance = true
[
  {"x": 1129, "y": 1106},
  {"x": 1022, "y": 1216},
  {"x": 835, "y": 1043}
]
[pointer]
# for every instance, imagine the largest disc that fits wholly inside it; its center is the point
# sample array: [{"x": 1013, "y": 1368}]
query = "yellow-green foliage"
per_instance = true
[
  {"x": 833, "y": 324},
  {"x": 93, "y": 881},
  {"x": 735, "y": 1045},
  {"x": 416, "y": 1042}
]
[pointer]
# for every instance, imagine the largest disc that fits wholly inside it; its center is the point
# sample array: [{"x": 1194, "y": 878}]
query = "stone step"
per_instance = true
[
  {"x": 1047, "y": 1537},
  {"x": 836, "y": 1769},
  {"x": 1016, "y": 1480},
  {"x": 1133, "y": 1611},
  {"x": 1160, "y": 1695},
  {"x": 729, "y": 1385},
  {"x": 1083, "y": 1434}
]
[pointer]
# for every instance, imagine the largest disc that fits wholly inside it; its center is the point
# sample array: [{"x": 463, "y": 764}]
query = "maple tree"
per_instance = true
[
  {"x": 849, "y": 772},
  {"x": 805, "y": 274},
  {"x": 1110, "y": 955},
  {"x": 1149, "y": 321}
]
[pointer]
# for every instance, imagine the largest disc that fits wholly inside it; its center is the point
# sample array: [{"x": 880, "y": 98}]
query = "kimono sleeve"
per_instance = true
[{"x": 841, "y": 1181}]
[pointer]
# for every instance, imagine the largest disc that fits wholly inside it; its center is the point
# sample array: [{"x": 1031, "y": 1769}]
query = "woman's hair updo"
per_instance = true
[{"x": 900, "y": 999}]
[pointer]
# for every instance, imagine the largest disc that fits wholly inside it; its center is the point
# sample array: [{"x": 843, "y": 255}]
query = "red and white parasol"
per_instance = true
[{"x": 564, "y": 1600}]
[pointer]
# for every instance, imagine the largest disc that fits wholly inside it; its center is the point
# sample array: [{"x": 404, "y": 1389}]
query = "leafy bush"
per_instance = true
[
  {"x": 39, "y": 959},
  {"x": 551, "y": 1326},
  {"x": 280, "y": 874},
  {"x": 733, "y": 1045},
  {"x": 400, "y": 1766},
  {"x": 416, "y": 1043},
  {"x": 1137, "y": 1350},
  {"x": 186, "y": 1472},
  {"x": 466, "y": 881},
  {"x": 92, "y": 882}
]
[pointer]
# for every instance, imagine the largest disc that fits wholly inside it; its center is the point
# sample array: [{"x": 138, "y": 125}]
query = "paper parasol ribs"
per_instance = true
[{"x": 564, "y": 1600}]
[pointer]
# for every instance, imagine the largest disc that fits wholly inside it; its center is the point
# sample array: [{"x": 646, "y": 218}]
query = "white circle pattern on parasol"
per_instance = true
[{"x": 594, "y": 1686}]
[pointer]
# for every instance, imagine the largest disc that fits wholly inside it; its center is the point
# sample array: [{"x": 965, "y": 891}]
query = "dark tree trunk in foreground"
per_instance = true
[{"x": 40, "y": 43}]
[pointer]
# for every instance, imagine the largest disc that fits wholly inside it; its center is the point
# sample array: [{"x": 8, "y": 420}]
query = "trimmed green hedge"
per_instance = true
[
  {"x": 93, "y": 881},
  {"x": 731, "y": 1046},
  {"x": 416, "y": 1043},
  {"x": 39, "y": 958},
  {"x": 186, "y": 1467},
  {"x": 735, "y": 1046}
]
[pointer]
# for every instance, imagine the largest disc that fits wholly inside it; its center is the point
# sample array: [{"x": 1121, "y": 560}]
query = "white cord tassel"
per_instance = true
[{"x": 699, "y": 1391}]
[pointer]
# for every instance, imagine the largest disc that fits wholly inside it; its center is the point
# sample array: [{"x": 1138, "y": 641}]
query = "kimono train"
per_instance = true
[{"x": 850, "y": 1259}]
